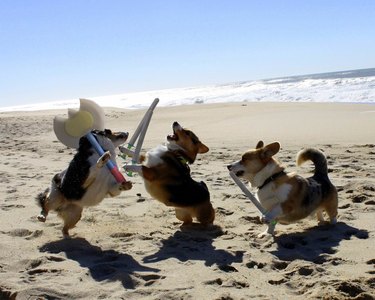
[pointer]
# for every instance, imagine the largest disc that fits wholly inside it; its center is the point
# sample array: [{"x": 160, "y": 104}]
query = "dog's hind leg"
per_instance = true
[
  {"x": 206, "y": 214},
  {"x": 71, "y": 214},
  {"x": 184, "y": 216},
  {"x": 331, "y": 208},
  {"x": 319, "y": 216}
]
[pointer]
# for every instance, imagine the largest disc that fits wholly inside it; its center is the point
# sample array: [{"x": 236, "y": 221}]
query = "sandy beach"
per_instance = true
[{"x": 132, "y": 246}]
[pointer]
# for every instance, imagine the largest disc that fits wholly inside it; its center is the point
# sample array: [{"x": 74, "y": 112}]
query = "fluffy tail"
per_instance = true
[
  {"x": 41, "y": 198},
  {"x": 316, "y": 156}
]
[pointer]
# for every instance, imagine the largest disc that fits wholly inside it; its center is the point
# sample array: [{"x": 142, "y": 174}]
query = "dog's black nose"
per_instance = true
[
  {"x": 229, "y": 167},
  {"x": 124, "y": 135},
  {"x": 175, "y": 123}
]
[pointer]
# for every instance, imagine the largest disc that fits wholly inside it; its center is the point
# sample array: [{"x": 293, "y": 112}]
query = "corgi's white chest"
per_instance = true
[
  {"x": 271, "y": 194},
  {"x": 153, "y": 157}
]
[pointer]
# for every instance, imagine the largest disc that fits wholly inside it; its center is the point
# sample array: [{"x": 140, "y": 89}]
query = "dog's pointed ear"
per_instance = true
[
  {"x": 271, "y": 149},
  {"x": 259, "y": 145},
  {"x": 202, "y": 148}
]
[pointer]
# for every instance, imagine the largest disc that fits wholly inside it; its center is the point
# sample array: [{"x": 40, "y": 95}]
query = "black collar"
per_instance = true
[
  {"x": 271, "y": 178},
  {"x": 182, "y": 157},
  {"x": 183, "y": 160}
]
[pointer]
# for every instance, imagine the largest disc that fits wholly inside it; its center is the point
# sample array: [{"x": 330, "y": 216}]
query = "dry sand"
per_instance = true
[{"x": 132, "y": 247}]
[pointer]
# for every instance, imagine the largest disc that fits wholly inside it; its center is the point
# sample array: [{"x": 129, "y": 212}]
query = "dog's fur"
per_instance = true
[
  {"x": 288, "y": 197},
  {"x": 167, "y": 178},
  {"x": 86, "y": 182}
]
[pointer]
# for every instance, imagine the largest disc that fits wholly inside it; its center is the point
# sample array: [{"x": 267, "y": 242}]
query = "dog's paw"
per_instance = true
[
  {"x": 270, "y": 228},
  {"x": 265, "y": 219},
  {"x": 264, "y": 234},
  {"x": 126, "y": 151},
  {"x": 126, "y": 185},
  {"x": 325, "y": 223},
  {"x": 267, "y": 234},
  {"x": 66, "y": 236},
  {"x": 103, "y": 159},
  {"x": 333, "y": 221},
  {"x": 41, "y": 218}
]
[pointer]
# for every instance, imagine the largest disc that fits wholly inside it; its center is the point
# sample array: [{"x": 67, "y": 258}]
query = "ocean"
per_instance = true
[{"x": 355, "y": 86}]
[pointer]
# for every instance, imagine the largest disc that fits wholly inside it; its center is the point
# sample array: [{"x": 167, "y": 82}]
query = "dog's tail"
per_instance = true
[
  {"x": 317, "y": 157},
  {"x": 41, "y": 198}
]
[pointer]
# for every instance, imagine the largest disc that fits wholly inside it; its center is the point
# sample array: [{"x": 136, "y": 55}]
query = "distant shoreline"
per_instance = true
[
  {"x": 353, "y": 86},
  {"x": 20, "y": 108}
]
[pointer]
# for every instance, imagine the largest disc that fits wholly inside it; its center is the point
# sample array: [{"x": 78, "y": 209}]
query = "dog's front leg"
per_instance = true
[
  {"x": 272, "y": 214},
  {"x": 269, "y": 231},
  {"x": 134, "y": 168},
  {"x": 117, "y": 188},
  {"x": 100, "y": 163},
  {"x": 146, "y": 172},
  {"x": 103, "y": 159},
  {"x": 71, "y": 214},
  {"x": 270, "y": 218},
  {"x": 114, "y": 190}
]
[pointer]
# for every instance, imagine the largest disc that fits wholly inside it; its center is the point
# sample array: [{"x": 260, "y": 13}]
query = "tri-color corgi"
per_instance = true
[
  {"x": 86, "y": 182},
  {"x": 166, "y": 173},
  {"x": 288, "y": 197}
]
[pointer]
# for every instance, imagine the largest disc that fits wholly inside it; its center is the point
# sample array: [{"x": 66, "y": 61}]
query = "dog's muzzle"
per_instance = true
[{"x": 238, "y": 173}]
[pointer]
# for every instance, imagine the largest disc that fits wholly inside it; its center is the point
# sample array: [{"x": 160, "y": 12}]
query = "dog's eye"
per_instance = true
[{"x": 193, "y": 138}]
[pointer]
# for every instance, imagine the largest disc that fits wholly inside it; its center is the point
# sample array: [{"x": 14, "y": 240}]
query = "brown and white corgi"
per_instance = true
[
  {"x": 288, "y": 197},
  {"x": 166, "y": 173},
  {"x": 86, "y": 182}
]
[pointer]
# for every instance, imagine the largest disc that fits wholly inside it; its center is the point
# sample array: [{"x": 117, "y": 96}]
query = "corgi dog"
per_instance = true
[
  {"x": 166, "y": 174},
  {"x": 287, "y": 197},
  {"x": 86, "y": 181}
]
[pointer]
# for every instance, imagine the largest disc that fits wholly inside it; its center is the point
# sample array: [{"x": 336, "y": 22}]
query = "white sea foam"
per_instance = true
[{"x": 356, "y": 86}]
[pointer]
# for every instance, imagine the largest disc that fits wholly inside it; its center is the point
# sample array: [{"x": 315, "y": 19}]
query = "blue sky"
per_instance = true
[{"x": 55, "y": 50}]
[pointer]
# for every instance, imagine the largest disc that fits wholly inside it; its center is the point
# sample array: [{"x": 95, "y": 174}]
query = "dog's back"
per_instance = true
[{"x": 74, "y": 177}]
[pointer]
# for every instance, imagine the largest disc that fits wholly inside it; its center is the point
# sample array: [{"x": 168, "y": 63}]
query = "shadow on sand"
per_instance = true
[
  {"x": 194, "y": 243},
  {"x": 315, "y": 244},
  {"x": 102, "y": 264}
]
